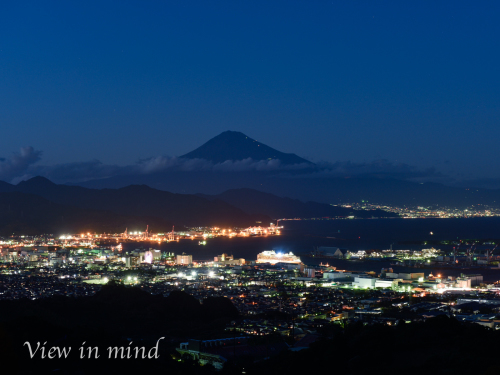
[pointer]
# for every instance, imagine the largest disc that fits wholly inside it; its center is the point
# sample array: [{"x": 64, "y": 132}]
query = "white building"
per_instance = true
[
  {"x": 364, "y": 282},
  {"x": 475, "y": 279},
  {"x": 184, "y": 259},
  {"x": 338, "y": 275},
  {"x": 405, "y": 275},
  {"x": 463, "y": 282},
  {"x": 411, "y": 276},
  {"x": 386, "y": 284}
]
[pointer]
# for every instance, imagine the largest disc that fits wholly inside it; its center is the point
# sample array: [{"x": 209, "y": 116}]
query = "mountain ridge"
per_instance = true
[
  {"x": 252, "y": 201},
  {"x": 142, "y": 200},
  {"x": 30, "y": 214},
  {"x": 305, "y": 181},
  {"x": 231, "y": 145}
]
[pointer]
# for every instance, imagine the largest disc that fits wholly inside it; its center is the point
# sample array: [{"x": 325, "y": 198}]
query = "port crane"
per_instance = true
[
  {"x": 470, "y": 253},
  {"x": 489, "y": 253},
  {"x": 455, "y": 251},
  {"x": 171, "y": 235}
]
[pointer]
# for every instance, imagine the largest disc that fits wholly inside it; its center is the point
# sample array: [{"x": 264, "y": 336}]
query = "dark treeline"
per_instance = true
[
  {"x": 116, "y": 316},
  {"x": 122, "y": 317},
  {"x": 440, "y": 345}
]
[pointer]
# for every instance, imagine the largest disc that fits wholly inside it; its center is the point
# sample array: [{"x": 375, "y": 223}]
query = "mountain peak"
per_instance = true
[
  {"x": 233, "y": 145},
  {"x": 231, "y": 133},
  {"x": 36, "y": 181}
]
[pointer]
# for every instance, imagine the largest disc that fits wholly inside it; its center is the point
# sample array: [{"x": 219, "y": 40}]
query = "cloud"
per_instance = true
[
  {"x": 163, "y": 163},
  {"x": 79, "y": 171},
  {"x": 257, "y": 165},
  {"x": 91, "y": 170},
  {"x": 22, "y": 166},
  {"x": 378, "y": 169},
  {"x": 19, "y": 163}
]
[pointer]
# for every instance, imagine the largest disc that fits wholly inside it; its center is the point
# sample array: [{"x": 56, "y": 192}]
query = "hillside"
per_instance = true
[
  {"x": 141, "y": 200},
  {"x": 253, "y": 201},
  {"x": 29, "y": 214}
]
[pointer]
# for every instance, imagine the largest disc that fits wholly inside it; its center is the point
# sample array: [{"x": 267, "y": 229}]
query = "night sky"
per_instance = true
[{"x": 361, "y": 81}]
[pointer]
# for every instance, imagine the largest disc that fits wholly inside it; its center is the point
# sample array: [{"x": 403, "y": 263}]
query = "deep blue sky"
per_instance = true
[{"x": 412, "y": 82}]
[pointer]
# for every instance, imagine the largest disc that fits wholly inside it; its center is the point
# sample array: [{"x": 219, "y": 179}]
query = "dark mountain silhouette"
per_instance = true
[
  {"x": 29, "y": 214},
  {"x": 231, "y": 145},
  {"x": 141, "y": 200},
  {"x": 318, "y": 188},
  {"x": 254, "y": 201},
  {"x": 6, "y": 187},
  {"x": 311, "y": 183}
]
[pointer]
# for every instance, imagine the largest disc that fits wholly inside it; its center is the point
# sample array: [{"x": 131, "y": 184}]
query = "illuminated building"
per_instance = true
[
  {"x": 228, "y": 260},
  {"x": 184, "y": 259},
  {"x": 364, "y": 282},
  {"x": 270, "y": 256},
  {"x": 148, "y": 257}
]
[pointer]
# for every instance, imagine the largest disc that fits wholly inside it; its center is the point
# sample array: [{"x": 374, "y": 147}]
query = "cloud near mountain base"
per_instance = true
[
  {"x": 18, "y": 163},
  {"x": 23, "y": 165}
]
